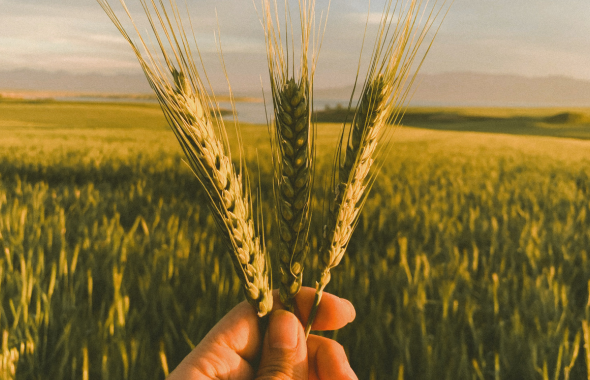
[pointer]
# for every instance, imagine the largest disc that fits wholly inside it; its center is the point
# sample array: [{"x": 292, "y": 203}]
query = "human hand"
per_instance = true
[{"x": 235, "y": 346}]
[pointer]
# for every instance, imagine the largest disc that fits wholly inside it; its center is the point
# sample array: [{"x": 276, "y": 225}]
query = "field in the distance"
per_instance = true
[{"x": 469, "y": 261}]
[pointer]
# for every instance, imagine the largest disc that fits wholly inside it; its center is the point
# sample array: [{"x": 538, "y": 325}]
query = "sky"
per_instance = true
[{"x": 521, "y": 37}]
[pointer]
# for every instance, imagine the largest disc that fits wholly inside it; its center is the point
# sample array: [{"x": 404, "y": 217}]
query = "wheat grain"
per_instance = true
[{"x": 186, "y": 106}]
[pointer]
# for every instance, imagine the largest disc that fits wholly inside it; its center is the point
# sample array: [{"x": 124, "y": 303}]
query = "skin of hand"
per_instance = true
[{"x": 235, "y": 348}]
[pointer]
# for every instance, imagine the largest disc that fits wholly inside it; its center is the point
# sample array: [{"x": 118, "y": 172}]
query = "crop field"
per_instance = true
[{"x": 470, "y": 260}]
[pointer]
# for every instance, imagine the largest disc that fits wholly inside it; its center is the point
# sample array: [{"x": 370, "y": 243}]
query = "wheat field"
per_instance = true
[{"x": 469, "y": 260}]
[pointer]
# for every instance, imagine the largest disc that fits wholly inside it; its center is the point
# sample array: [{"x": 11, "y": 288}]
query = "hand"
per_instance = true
[{"x": 232, "y": 349}]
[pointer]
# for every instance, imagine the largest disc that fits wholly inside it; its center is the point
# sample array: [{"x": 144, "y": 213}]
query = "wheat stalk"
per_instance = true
[
  {"x": 292, "y": 138},
  {"x": 8, "y": 358},
  {"x": 382, "y": 101},
  {"x": 187, "y": 108}
]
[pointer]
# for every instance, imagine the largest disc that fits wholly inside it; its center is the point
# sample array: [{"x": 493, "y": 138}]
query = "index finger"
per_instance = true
[{"x": 333, "y": 312}]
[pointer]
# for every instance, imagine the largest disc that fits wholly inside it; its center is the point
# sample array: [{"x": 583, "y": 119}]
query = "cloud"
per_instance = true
[
  {"x": 492, "y": 36},
  {"x": 107, "y": 39},
  {"x": 372, "y": 18},
  {"x": 509, "y": 56},
  {"x": 79, "y": 37}
]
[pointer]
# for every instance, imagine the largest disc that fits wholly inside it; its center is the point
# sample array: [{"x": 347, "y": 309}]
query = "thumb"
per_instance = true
[{"x": 284, "y": 350}]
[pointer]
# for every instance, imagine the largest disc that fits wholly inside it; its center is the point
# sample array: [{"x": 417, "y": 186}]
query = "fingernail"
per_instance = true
[
  {"x": 283, "y": 330},
  {"x": 351, "y": 310},
  {"x": 349, "y": 372}
]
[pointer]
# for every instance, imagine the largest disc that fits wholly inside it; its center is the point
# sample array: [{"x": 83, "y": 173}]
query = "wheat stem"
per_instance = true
[{"x": 319, "y": 292}]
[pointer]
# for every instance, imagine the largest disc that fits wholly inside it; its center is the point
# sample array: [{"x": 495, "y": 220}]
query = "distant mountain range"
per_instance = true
[
  {"x": 446, "y": 89},
  {"x": 61, "y": 81},
  {"x": 477, "y": 89},
  {"x": 502, "y": 90}
]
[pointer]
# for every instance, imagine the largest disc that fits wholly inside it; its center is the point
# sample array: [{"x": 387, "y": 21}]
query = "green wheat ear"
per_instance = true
[
  {"x": 294, "y": 186},
  {"x": 292, "y": 139}
]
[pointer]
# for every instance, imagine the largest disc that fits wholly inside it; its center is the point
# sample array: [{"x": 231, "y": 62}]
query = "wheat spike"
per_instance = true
[
  {"x": 292, "y": 140},
  {"x": 382, "y": 99},
  {"x": 294, "y": 185},
  {"x": 186, "y": 106},
  {"x": 230, "y": 206},
  {"x": 368, "y": 125}
]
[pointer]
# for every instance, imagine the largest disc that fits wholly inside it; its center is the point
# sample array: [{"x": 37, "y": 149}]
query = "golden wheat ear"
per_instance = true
[
  {"x": 188, "y": 109},
  {"x": 292, "y": 140},
  {"x": 382, "y": 101}
]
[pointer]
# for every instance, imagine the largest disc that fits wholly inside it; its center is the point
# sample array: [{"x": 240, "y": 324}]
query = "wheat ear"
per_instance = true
[
  {"x": 294, "y": 184},
  {"x": 382, "y": 99},
  {"x": 347, "y": 195},
  {"x": 187, "y": 107},
  {"x": 292, "y": 138}
]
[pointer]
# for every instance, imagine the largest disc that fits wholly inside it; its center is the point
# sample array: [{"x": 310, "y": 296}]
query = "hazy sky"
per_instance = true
[{"x": 525, "y": 37}]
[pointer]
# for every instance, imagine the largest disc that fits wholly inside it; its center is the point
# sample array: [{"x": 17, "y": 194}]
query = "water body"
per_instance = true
[
  {"x": 104, "y": 99},
  {"x": 248, "y": 112},
  {"x": 256, "y": 113}
]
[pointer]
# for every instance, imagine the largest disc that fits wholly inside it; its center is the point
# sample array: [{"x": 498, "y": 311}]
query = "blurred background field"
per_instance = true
[{"x": 469, "y": 261}]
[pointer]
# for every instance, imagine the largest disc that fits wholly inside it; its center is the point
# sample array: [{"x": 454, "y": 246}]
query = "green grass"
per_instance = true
[
  {"x": 554, "y": 122},
  {"x": 469, "y": 260}
]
